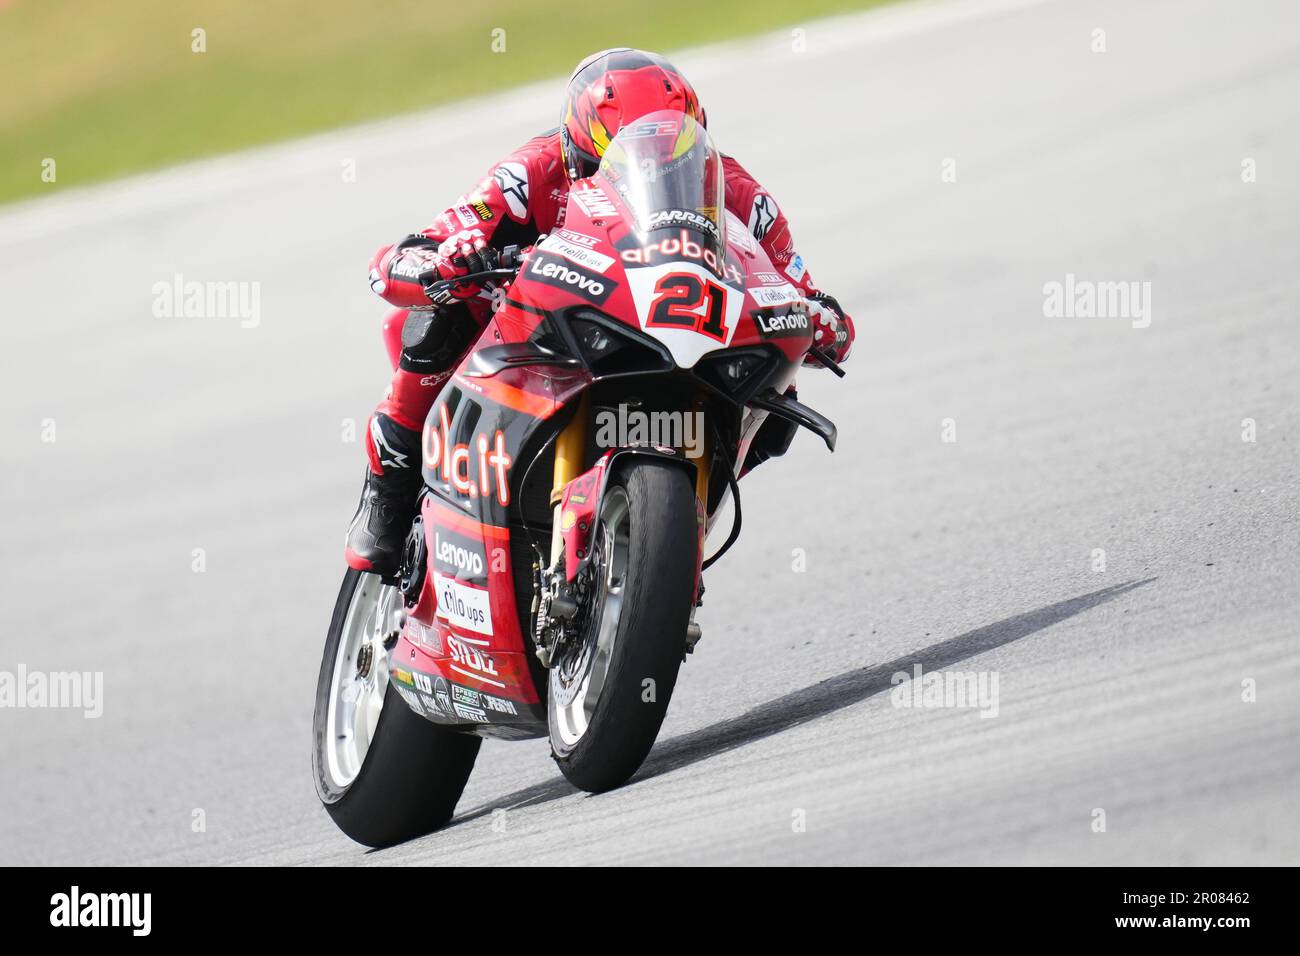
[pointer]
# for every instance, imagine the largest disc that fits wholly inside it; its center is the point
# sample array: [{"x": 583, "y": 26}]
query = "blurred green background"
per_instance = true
[{"x": 107, "y": 87}]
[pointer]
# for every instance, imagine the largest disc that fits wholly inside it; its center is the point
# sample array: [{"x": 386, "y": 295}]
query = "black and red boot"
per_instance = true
[{"x": 389, "y": 498}]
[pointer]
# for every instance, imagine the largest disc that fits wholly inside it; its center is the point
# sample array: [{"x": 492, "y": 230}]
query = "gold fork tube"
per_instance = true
[{"x": 570, "y": 453}]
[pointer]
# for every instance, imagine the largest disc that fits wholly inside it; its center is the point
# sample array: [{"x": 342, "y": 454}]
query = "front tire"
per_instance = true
[
  {"x": 383, "y": 773},
  {"x": 608, "y": 696}
]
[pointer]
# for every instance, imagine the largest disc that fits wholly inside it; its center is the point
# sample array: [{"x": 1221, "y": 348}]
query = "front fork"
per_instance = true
[
  {"x": 554, "y": 604},
  {"x": 570, "y": 462}
]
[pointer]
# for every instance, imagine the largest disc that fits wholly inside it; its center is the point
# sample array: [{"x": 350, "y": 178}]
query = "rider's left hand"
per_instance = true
[{"x": 832, "y": 328}]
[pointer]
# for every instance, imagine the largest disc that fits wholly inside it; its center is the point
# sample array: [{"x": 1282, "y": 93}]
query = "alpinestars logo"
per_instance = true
[
  {"x": 762, "y": 216},
  {"x": 389, "y": 457},
  {"x": 512, "y": 178}
]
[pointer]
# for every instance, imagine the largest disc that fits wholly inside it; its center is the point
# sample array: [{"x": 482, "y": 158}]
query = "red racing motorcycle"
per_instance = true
[{"x": 573, "y": 466}]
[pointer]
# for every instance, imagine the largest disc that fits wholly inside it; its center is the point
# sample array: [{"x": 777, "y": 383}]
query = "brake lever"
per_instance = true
[
  {"x": 443, "y": 285},
  {"x": 510, "y": 258},
  {"x": 825, "y": 360}
]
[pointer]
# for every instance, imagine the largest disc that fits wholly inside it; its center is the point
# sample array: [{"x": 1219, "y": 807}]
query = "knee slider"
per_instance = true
[{"x": 433, "y": 341}]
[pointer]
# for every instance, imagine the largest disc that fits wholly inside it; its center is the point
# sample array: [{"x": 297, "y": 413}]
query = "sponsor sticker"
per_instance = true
[
  {"x": 466, "y": 215},
  {"x": 782, "y": 324},
  {"x": 563, "y": 275},
  {"x": 499, "y": 705},
  {"x": 465, "y": 561},
  {"x": 774, "y": 295},
  {"x": 470, "y": 713},
  {"x": 583, "y": 256},
  {"x": 441, "y": 696},
  {"x": 463, "y": 605},
  {"x": 464, "y": 695},
  {"x": 463, "y": 652},
  {"x": 688, "y": 218},
  {"x": 795, "y": 269},
  {"x": 568, "y": 235},
  {"x": 593, "y": 201}
]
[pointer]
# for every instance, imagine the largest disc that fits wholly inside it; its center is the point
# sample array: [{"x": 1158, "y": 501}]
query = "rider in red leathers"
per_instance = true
[{"x": 523, "y": 197}]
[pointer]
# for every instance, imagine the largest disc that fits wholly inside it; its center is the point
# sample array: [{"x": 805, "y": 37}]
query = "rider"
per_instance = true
[{"x": 521, "y": 198}]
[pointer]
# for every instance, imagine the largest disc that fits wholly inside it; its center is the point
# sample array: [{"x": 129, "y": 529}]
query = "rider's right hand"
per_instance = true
[
  {"x": 459, "y": 255},
  {"x": 408, "y": 274}
]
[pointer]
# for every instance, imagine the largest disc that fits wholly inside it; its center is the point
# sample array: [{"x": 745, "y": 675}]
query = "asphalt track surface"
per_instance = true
[{"x": 1120, "y": 690}]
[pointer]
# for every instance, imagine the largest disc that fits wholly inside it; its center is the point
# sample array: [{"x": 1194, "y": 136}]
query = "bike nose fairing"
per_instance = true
[{"x": 646, "y": 240}]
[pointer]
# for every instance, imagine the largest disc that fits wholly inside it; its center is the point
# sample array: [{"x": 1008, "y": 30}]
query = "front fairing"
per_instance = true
[{"x": 689, "y": 282}]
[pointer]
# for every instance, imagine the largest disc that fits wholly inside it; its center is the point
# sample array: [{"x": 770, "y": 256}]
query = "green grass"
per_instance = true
[{"x": 108, "y": 87}]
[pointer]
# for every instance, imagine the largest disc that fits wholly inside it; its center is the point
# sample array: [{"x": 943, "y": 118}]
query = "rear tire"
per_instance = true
[
  {"x": 412, "y": 772},
  {"x": 600, "y": 744}
]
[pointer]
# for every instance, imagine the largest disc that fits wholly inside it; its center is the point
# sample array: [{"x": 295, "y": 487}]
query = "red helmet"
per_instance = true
[{"x": 610, "y": 89}]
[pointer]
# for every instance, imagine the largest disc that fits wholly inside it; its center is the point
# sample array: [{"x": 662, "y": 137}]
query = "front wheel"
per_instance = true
[
  {"x": 383, "y": 773},
  {"x": 609, "y": 690}
]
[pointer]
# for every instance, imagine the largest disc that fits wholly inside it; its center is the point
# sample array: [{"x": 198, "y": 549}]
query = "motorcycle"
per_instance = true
[{"x": 573, "y": 466}]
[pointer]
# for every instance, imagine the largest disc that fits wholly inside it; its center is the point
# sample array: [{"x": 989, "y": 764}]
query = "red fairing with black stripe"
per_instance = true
[{"x": 693, "y": 285}]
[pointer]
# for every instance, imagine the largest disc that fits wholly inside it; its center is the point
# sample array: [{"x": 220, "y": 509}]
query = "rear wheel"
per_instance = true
[
  {"x": 609, "y": 690},
  {"x": 383, "y": 773}
]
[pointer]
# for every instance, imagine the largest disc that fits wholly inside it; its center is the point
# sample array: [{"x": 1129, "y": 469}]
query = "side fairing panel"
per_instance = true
[{"x": 463, "y": 657}]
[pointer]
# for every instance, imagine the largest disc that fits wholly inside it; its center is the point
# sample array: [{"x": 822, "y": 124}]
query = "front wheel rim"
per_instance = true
[
  {"x": 575, "y": 691},
  {"x": 360, "y": 678}
]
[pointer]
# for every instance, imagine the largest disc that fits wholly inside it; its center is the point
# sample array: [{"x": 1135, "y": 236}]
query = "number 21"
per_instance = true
[{"x": 676, "y": 306}]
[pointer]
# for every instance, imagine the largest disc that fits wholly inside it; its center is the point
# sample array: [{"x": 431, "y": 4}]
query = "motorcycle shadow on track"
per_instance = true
[{"x": 820, "y": 699}]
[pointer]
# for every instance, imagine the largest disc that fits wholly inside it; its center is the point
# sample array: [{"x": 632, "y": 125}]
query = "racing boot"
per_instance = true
[{"x": 378, "y": 532}]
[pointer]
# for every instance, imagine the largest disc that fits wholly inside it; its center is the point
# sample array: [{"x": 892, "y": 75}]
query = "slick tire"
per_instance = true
[
  {"x": 413, "y": 771},
  {"x": 649, "y": 638}
]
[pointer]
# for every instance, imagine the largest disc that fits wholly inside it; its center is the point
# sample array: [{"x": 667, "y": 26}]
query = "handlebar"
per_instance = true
[{"x": 508, "y": 261}]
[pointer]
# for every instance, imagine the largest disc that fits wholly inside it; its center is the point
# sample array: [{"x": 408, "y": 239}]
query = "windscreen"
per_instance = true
[{"x": 669, "y": 175}]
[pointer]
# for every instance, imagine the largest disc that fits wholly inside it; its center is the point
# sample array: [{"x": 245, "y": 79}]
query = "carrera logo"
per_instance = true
[
  {"x": 683, "y": 217},
  {"x": 569, "y": 277},
  {"x": 463, "y": 606},
  {"x": 784, "y": 325}
]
